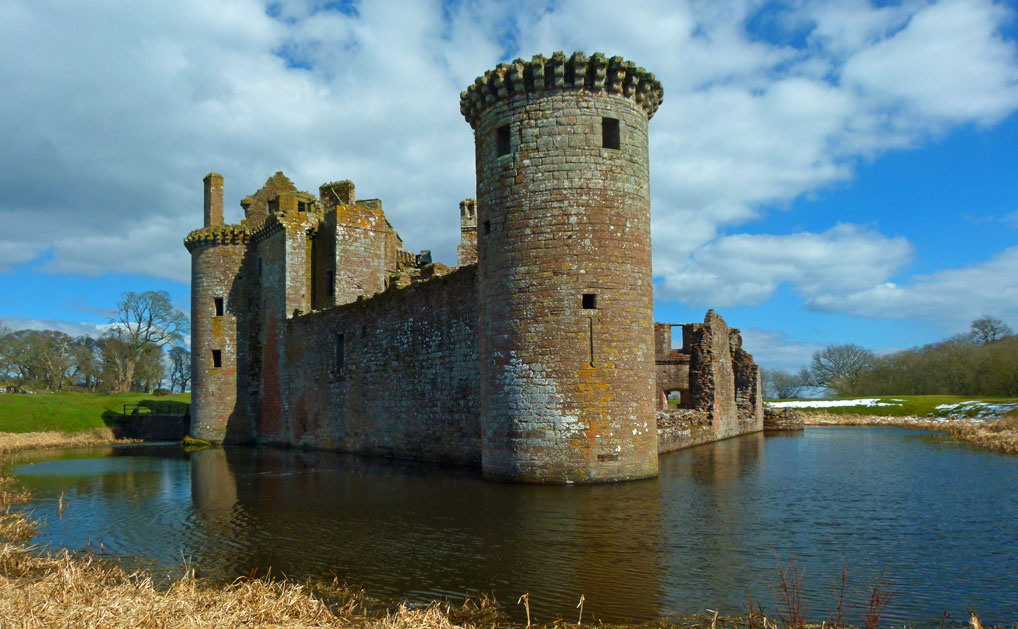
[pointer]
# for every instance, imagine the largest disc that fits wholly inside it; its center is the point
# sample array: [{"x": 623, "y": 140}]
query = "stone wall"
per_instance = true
[
  {"x": 215, "y": 267},
  {"x": 712, "y": 380},
  {"x": 748, "y": 398},
  {"x": 567, "y": 385},
  {"x": 672, "y": 368},
  {"x": 393, "y": 375}
]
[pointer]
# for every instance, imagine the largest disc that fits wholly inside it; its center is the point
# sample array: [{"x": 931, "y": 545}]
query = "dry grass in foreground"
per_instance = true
[{"x": 1001, "y": 435}]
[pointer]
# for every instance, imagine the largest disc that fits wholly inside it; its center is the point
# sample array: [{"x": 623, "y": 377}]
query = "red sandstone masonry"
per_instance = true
[
  {"x": 334, "y": 336},
  {"x": 567, "y": 393}
]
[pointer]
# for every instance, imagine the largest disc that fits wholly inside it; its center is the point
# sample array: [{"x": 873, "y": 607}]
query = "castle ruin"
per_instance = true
[{"x": 536, "y": 358}]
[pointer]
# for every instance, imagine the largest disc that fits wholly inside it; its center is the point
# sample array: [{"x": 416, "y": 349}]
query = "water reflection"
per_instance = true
[
  {"x": 424, "y": 531},
  {"x": 706, "y": 533}
]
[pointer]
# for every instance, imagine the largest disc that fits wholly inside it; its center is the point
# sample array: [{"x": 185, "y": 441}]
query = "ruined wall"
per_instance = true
[
  {"x": 671, "y": 368},
  {"x": 748, "y": 399},
  {"x": 712, "y": 380},
  {"x": 466, "y": 251},
  {"x": 393, "y": 375}
]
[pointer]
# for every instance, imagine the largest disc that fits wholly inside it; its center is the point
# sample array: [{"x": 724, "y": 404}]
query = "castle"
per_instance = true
[{"x": 537, "y": 358}]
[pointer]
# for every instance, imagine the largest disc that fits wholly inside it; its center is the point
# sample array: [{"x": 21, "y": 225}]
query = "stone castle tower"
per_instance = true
[
  {"x": 216, "y": 262},
  {"x": 536, "y": 359},
  {"x": 565, "y": 293}
]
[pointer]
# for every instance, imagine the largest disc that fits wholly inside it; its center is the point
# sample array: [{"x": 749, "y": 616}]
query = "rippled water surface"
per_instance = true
[{"x": 940, "y": 518}]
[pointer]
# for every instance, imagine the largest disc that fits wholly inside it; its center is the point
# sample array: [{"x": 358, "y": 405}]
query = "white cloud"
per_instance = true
[
  {"x": 775, "y": 350},
  {"x": 945, "y": 65},
  {"x": 951, "y": 298},
  {"x": 71, "y": 328},
  {"x": 747, "y": 269},
  {"x": 13, "y": 254},
  {"x": 111, "y": 117}
]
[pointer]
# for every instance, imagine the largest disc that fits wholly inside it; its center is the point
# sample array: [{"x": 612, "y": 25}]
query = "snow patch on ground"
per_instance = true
[
  {"x": 833, "y": 403},
  {"x": 973, "y": 408}
]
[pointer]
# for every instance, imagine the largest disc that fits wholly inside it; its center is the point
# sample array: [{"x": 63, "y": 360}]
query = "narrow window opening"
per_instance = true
[
  {"x": 217, "y": 358},
  {"x": 503, "y": 140},
  {"x": 219, "y": 306},
  {"x": 487, "y": 227},
  {"x": 676, "y": 334},
  {"x": 610, "y": 138},
  {"x": 590, "y": 336},
  {"x": 340, "y": 351},
  {"x": 302, "y": 206},
  {"x": 589, "y": 301},
  {"x": 330, "y": 279}
]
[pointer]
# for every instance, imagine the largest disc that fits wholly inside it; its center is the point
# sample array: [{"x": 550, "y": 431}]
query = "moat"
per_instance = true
[{"x": 938, "y": 516}]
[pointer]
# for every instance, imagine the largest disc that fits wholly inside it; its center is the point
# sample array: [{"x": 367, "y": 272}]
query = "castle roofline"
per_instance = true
[
  {"x": 216, "y": 235},
  {"x": 578, "y": 72}
]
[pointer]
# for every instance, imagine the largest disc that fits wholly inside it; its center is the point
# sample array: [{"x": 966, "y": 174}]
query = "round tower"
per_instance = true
[
  {"x": 217, "y": 256},
  {"x": 565, "y": 293}
]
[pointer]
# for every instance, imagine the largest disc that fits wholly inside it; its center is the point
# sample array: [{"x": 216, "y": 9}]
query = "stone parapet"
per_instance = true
[
  {"x": 597, "y": 73},
  {"x": 216, "y": 235}
]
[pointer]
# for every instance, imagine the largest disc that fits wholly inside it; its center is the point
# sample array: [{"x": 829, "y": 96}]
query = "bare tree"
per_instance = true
[
  {"x": 781, "y": 385},
  {"x": 143, "y": 320},
  {"x": 987, "y": 329},
  {"x": 180, "y": 370},
  {"x": 840, "y": 368}
]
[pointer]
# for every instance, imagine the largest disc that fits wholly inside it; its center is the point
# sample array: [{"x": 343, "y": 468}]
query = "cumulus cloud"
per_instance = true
[
  {"x": 776, "y": 350},
  {"x": 67, "y": 327},
  {"x": 747, "y": 269},
  {"x": 111, "y": 117},
  {"x": 951, "y": 298}
]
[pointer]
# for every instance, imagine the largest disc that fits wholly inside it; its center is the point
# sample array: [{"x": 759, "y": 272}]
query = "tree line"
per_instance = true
[
  {"x": 983, "y": 362},
  {"x": 141, "y": 350}
]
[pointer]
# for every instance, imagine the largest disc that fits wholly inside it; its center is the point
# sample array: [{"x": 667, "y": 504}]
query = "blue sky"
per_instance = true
[{"x": 821, "y": 171}]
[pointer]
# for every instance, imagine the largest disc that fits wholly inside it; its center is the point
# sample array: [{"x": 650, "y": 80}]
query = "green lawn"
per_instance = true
[
  {"x": 919, "y": 406},
  {"x": 69, "y": 411}
]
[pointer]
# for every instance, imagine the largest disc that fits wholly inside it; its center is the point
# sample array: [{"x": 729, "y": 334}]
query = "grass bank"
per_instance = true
[
  {"x": 927, "y": 407},
  {"x": 70, "y": 411}
]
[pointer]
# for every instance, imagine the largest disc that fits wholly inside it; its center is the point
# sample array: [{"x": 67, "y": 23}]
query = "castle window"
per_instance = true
[
  {"x": 219, "y": 306},
  {"x": 340, "y": 351},
  {"x": 217, "y": 358},
  {"x": 302, "y": 206},
  {"x": 503, "y": 140},
  {"x": 330, "y": 280},
  {"x": 610, "y": 138},
  {"x": 487, "y": 227},
  {"x": 589, "y": 301}
]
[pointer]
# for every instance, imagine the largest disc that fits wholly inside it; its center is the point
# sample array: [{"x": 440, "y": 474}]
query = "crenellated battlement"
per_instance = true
[
  {"x": 216, "y": 235},
  {"x": 596, "y": 73}
]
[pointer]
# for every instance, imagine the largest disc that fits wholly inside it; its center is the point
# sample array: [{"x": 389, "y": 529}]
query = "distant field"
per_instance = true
[
  {"x": 69, "y": 412},
  {"x": 908, "y": 406}
]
